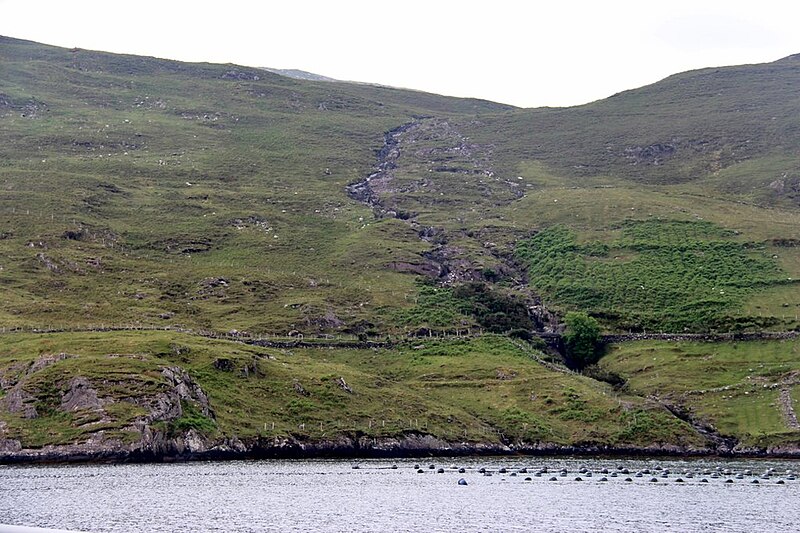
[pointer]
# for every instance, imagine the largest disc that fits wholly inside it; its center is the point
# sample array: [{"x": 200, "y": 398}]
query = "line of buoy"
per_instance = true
[{"x": 657, "y": 474}]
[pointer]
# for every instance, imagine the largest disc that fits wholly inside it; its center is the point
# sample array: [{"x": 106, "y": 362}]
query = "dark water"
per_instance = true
[{"x": 320, "y": 495}]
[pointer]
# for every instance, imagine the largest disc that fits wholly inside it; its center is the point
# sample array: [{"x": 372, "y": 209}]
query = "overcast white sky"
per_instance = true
[{"x": 527, "y": 53}]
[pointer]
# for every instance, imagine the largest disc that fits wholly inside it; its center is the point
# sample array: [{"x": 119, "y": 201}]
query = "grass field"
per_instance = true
[
  {"x": 733, "y": 386},
  {"x": 667, "y": 275}
]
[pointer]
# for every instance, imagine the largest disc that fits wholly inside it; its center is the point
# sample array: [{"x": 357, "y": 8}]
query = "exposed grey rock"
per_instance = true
[
  {"x": 194, "y": 442},
  {"x": 10, "y": 446},
  {"x": 80, "y": 396},
  {"x": 328, "y": 320},
  {"x": 224, "y": 364},
  {"x": 10, "y": 376},
  {"x": 17, "y": 400},
  {"x": 180, "y": 387},
  {"x": 186, "y": 388},
  {"x": 344, "y": 386},
  {"x": 46, "y": 360},
  {"x": 778, "y": 186}
]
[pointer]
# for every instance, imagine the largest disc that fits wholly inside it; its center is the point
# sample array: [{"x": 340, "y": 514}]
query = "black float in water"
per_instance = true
[
  {"x": 462, "y": 481},
  {"x": 628, "y": 479},
  {"x": 462, "y": 470},
  {"x": 440, "y": 471},
  {"x": 578, "y": 479},
  {"x": 551, "y": 479}
]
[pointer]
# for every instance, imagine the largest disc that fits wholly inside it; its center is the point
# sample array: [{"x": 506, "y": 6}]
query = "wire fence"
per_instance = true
[{"x": 300, "y": 339}]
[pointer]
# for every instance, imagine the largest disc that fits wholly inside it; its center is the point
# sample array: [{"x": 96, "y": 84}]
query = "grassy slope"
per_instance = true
[
  {"x": 179, "y": 174},
  {"x": 476, "y": 391},
  {"x": 733, "y": 386},
  {"x": 174, "y": 175},
  {"x": 705, "y": 120},
  {"x": 714, "y": 145},
  {"x": 658, "y": 274}
]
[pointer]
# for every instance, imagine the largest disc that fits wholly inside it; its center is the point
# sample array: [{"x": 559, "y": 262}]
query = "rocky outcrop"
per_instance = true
[
  {"x": 46, "y": 360},
  {"x": 342, "y": 384},
  {"x": 157, "y": 434},
  {"x": 653, "y": 154},
  {"x": 81, "y": 395},
  {"x": 167, "y": 405},
  {"x": 157, "y": 446},
  {"x": 17, "y": 399}
]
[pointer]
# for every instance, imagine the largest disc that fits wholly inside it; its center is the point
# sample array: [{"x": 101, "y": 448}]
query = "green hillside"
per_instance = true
[
  {"x": 749, "y": 390},
  {"x": 687, "y": 127},
  {"x": 147, "y": 194},
  {"x": 486, "y": 390}
]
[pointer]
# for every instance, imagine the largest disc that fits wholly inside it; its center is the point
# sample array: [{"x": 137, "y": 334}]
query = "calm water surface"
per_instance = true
[{"x": 328, "y": 495}]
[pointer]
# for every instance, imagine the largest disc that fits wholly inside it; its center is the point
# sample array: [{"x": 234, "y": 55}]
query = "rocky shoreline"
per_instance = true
[{"x": 193, "y": 447}]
